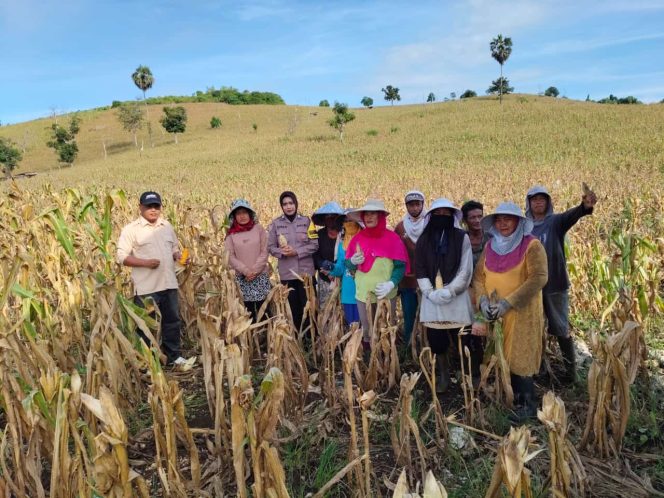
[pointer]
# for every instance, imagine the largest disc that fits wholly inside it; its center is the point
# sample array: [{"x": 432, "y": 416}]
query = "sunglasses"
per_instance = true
[{"x": 153, "y": 206}]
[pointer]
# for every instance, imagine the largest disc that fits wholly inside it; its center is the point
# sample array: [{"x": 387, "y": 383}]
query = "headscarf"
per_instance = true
[
  {"x": 237, "y": 228},
  {"x": 414, "y": 226},
  {"x": 351, "y": 228},
  {"x": 290, "y": 194},
  {"x": 439, "y": 249},
  {"x": 504, "y": 253},
  {"x": 378, "y": 242}
]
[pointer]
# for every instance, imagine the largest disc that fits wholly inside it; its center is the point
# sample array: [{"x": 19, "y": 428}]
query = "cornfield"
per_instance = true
[{"x": 86, "y": 408}]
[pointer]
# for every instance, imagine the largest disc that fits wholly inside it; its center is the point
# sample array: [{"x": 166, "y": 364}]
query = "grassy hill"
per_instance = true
[{"x": 462, "y": 149}]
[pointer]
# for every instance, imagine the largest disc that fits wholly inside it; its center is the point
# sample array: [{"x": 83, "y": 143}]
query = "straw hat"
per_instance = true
[{"x": 370, "y": 205}]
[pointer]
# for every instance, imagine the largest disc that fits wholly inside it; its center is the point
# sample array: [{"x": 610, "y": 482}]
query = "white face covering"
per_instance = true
[{"x": 414, "y": 226}]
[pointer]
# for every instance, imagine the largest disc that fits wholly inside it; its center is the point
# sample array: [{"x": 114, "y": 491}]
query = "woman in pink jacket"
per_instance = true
[{"x": 246, "y": 243}]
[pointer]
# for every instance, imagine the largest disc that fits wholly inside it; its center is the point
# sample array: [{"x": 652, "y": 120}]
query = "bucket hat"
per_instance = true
[
  {"x": 442, "y": 202},
  {"x": 507, "y": 208},
  {"x": 241, "y": 203}
]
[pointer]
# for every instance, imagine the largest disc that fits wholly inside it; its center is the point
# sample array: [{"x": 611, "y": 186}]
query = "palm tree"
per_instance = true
[
  {"x": 144, "y": 80},
  {"x": 501, "y": 48}
]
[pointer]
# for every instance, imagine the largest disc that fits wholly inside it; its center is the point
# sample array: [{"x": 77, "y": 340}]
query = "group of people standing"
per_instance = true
[{"x": 469, "y": 268}]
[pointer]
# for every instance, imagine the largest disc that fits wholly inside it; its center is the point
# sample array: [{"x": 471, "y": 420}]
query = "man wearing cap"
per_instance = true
[
  {"x": 149, "y": 246},
  {"x": 550, "y": 229},
  {"x": 409, "y": 229}
]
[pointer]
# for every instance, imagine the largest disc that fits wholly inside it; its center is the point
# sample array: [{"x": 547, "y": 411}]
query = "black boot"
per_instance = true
[
  {"x": 516, "y": 390},
  {"x": 527, "y": 409},
  {"x": 569, "y": 359}
]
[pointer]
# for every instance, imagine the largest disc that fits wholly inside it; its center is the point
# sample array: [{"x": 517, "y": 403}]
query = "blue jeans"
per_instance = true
[
  {"x": 351, "y": 314},
  {"x": 409, "y": 307}
]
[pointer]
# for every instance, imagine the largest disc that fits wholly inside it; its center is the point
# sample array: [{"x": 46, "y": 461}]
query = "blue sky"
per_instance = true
[{"x": 78, "y": 54}]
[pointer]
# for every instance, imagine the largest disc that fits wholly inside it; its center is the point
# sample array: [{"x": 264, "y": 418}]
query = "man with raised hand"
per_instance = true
[
  {"x": 149, "y": 246},
  {"x": 550, "y": 228}
]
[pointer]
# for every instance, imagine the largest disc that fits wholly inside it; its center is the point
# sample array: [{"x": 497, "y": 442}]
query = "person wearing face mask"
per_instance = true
[
  {"x": 444, "y": 270},
  {"x": 293, "y": 244},
  {"x": 409, "y": 229},
  {"x": 514, "y": 267},
  {"x": 379, "y": 259},
  {"x": 246, "y": 243},
  {"x": 330, "y": 216},
  {"x": 348, "y": 302}
]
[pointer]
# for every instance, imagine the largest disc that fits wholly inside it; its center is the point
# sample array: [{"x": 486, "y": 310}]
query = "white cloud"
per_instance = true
[
  {"x": 460, "y": 57},
  {"x": 585, "y": 45}
]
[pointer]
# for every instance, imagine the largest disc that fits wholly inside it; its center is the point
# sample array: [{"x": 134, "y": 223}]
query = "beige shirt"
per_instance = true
[{"x": 146, "y": 241}]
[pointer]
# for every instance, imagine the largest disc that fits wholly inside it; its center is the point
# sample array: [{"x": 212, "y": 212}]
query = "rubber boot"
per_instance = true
[
  {"x": 569, "y": 359},
  {"x": 443, "y": 362},
  {"x": 528, "y": 408}
]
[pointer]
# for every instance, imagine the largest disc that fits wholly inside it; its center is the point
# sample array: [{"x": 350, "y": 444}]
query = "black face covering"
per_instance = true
[{"x": 439, "y": 249}]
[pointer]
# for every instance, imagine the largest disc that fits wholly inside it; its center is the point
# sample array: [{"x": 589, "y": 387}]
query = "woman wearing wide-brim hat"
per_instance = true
[
  {"x": 330, "y": 217},
  {"x": 379, "y": 258},
  {"x": 444, "y": 270},
  {"x": 514, "y": 266},
  {"x": 246, "y": 243}
]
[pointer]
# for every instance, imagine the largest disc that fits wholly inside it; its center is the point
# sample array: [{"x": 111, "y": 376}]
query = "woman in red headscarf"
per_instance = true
[{"x": 379, "y": 258}]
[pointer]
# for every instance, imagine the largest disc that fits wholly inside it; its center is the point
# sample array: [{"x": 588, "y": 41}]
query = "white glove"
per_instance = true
[
  {"x": 383, "y": 289},
  {"x": 357, "y": 259},
  {"x": 441, "y": 296},
  {"x": 425, "y": 286}
]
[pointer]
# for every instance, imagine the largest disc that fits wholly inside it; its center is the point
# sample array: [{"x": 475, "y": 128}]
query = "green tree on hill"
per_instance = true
[
  {"x": 431, "y": 97},
  {"x": 341, "y": 117},
  {"x": 367, "y": 101},
  {"x": 391, "y": 93},
  {"x": 323, "y": 103},
  {"x": 552, "y": 91},
  {"x": 10, "y": 156},
  {"x": 144, "y": 80},
  {"x": 63, "y": 140},
  {"x": 468, "y": 94},
  {"x": 174, "y": 120},
  {"x": 501, "y": 49},
  {"x": 131, "y": 117},
  {"x": 501, "y": 86}
]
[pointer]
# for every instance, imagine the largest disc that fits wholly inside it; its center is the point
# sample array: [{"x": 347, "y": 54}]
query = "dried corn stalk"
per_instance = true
[
  {"x": 501, "y": 392},
  {"x": 349, "y": 359},
  {"x": 428, "y": 367},
  {"x": 566, "y": 470},
  {"x": 383, "y": 370},
  {"x": 112, "y": 476},
  {"x": 254, "y": 421},
  {"x": 432, "y": 487},
  {"x": 404, "y": 426},
  {"x": 510, "y": 470},
  {"x": 169, "y": 426},
  {"x": 285, "y": 354},
  {"x": 608, "y": 388}
]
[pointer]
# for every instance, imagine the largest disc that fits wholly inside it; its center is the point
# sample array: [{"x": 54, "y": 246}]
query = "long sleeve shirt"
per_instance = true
[
  {"x": 296, "y": 233},
  {"x": 247, "y": 251}
]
